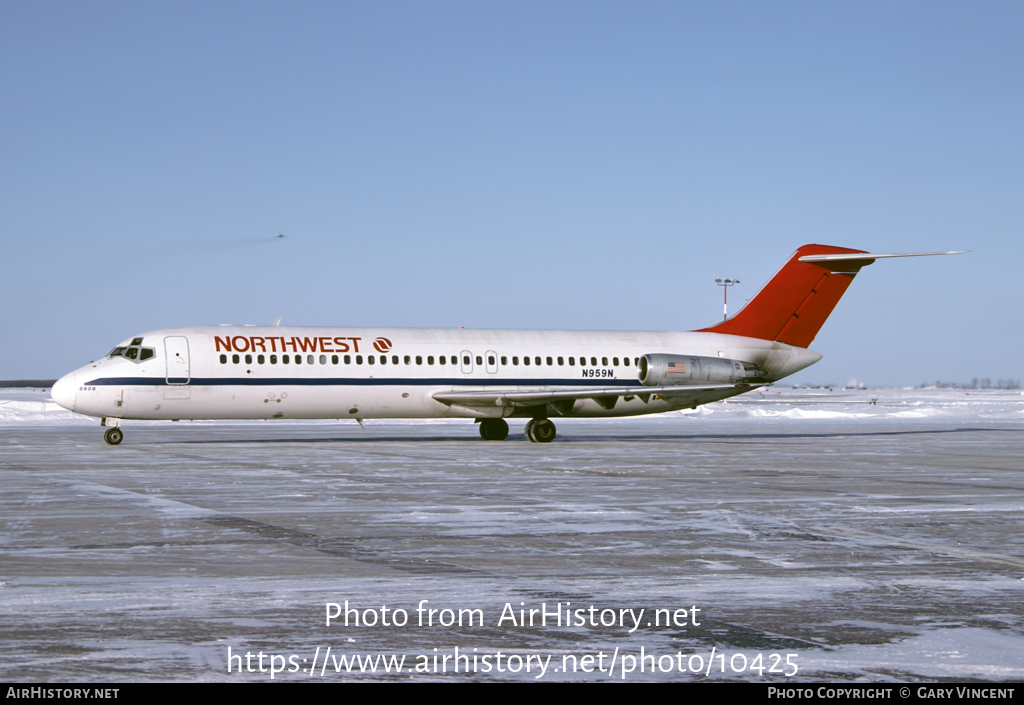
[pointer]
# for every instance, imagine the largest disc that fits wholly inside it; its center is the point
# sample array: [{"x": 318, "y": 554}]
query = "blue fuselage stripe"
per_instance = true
[{"x": 356, "y": 382}]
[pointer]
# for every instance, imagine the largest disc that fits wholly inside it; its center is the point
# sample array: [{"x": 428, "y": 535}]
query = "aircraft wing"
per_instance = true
[{"x": 607, "y": 397}]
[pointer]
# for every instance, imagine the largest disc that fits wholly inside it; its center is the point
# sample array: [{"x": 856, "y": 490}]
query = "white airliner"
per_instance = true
[{"x": 272, "y": 372}]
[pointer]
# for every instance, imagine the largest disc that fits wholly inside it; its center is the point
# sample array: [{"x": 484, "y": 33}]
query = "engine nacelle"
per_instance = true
[{"x": 660, "y": 370}]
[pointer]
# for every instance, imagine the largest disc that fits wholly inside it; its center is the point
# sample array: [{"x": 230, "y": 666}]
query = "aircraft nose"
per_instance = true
[{"x": 64, "y": 391}]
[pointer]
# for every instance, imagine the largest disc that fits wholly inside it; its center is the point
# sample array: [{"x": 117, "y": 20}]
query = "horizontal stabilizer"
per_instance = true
[{"x": 873, "y": 256}]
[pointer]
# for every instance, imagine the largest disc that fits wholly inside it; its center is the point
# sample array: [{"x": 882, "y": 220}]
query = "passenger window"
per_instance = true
[
  {"x": 260, "y": 359},
  {"x": 285, "y": 359},
  {"x": 504, "y": 360},
  {"x": 572, "y": 362},
  {"x": 515, "y": 359},
  {"x": 370, "y": 359},
  {"x": 625, "y": 361},
  {"x": 526, "y": 360},
  {"x": 465, "y": 360},
  {"x": 419, "y": 359},
  {"x": 334, "y": 359},
  {"x": 407, "y": 360},
  {"x": 537, "y": 359},
  {"x": 323, "y": 359},
  {"x": 561, "y": 362},
  {"x": 235, "y": 359},
  {"x": 615, "y": 362},
  {"x": 359, "y": 359},
  {"x": 593, "y": 362},
  {"x": 298, "y": 359},
  {"x": 430, "y": 359},
  {"x": 383, "y": 359},
  {"x": 223, "y": 359},
  {"x": 479, "y": 360},
  {"x": 490, "y": 360},
  {"x": 273, "y": 359},
  {"x": 248, "y": 359},
  {"x": 394, "y": 359},
  {"x": 583, "y": 362},
  {"x": 604, "y": 362},
  {"x": 347, "y": 359},
  {"x": 550, "y": 361},
  {"x": 309, "y": 359}
]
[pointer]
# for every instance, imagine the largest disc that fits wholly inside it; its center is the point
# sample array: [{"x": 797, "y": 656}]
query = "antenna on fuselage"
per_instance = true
[{"x": 278, "y": 321}]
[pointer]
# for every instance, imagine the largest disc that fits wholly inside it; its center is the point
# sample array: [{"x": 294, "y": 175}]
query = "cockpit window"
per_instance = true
[
  {"x": 134, "y": 353},
  {"x": 136, "y": 341}
]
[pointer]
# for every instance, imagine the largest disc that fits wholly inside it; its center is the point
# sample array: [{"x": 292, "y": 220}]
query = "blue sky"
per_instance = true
[{"x": 511, "y": 165}]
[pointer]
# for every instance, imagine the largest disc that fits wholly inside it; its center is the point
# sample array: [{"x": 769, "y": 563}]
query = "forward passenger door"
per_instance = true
[{"x": 177, "y": 360}]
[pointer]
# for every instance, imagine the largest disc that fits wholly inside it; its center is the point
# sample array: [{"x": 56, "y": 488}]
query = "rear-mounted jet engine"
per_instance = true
[{"x": 664, "y": 370}]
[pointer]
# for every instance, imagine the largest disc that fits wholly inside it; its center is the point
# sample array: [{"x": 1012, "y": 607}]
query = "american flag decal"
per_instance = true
[{"x": 677, "y": 367}]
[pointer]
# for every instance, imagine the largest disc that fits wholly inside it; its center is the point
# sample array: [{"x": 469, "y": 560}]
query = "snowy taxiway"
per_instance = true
[{"x": 872, "y": 540}]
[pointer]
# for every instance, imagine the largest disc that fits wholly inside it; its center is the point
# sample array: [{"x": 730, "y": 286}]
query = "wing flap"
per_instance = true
[{"x": 605, "y": 396}]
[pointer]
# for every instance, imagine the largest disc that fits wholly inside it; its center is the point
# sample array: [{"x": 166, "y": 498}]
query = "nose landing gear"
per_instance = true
[{"x": 113, "y": 436}]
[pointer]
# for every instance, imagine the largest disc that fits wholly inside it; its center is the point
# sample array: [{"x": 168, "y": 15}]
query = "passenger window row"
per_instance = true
[
  {"x": 336, "y": 359},
  {"x": 560, "y": 361},
  {"x": 408, "y": 360}
]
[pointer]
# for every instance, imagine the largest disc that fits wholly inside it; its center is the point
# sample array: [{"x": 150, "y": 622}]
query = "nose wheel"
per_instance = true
[
  {"x": 494, "y": 429},
  {"x": 113, "y": 436},
  {"x": 540, "y": 430}
]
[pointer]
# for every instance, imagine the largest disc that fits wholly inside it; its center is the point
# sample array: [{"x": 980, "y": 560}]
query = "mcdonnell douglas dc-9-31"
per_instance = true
[{"x": 278, "y": 372}]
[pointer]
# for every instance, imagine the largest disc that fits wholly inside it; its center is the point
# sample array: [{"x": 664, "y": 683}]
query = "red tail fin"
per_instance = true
[{"x": 792, "y": 307}]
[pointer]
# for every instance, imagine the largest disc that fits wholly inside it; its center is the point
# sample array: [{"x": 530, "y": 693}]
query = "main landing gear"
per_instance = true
[
  {"x": 493, "y": 429},
  {"x": 537, "y": 430},
  {"x": 540, "y": 430}
]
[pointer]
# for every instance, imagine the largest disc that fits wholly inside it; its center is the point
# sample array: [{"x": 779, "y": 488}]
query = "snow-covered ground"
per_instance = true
[
  {"x": 32, "y": 406},
  {"x": 877, "y": 535}
]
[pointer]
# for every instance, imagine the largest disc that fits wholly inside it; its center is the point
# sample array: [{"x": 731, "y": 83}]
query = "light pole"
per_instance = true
[{"x": 725, "y": 284}]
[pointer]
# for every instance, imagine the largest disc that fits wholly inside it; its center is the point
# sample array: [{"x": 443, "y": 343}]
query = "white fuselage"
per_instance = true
[{"x": 247, "y": 372}]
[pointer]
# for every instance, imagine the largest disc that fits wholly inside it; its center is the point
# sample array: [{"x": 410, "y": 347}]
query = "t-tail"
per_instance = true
[{"x": 793, "y": 306}]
